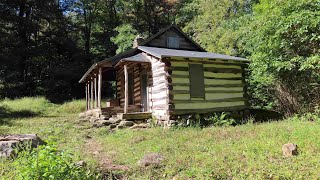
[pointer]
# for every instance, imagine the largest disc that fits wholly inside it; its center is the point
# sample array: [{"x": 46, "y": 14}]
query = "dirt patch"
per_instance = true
[{"x": 95, "y": 149}]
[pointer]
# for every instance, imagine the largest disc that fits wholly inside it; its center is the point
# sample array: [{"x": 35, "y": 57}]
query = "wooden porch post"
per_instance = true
[
  {"x": 88, "y": 94},
  {"x": 126, "y": 94},
  {"x": 99, "y": 87},
  {"x": 92, "y": 97},
  {"x": 86, "y": 91},
  {"x": 95, "y": 92}
]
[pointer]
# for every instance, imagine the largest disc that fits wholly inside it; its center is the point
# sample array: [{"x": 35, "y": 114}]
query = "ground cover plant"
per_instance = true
[
  {"x": 251, "y": 150},
  {"x": 45, "y": 162}
]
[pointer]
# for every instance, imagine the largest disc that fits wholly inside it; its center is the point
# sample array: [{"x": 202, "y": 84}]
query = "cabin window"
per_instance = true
[
  {"x": 197, "y": 89},
  {"x": 173, "y": 42}
]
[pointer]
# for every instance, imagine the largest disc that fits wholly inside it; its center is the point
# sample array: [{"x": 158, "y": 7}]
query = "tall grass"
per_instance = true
[
  {"x": 28, "y": 106},
  {"x": 39, "y": 106},
  {"x": 71, "y": 107}
]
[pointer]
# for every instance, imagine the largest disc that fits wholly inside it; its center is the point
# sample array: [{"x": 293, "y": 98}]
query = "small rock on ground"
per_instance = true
[
  {"x": 289, "y": 150},
  {"x": 120, "y": 127},
  {"x": 126, "y": 123},
  {"x": 101, "y": 123},
  {"x": 81, "y": 164},
  {"x": 151, "y": 159},
  {"x": 112, "y": 126},
  {"x": 114, "y": 120},
  {"x": 139, "y": 126},
  {"x": 8, "y": 143}
]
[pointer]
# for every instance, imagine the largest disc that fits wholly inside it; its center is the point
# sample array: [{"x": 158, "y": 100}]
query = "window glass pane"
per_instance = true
[{"x": 197, "y": 89}]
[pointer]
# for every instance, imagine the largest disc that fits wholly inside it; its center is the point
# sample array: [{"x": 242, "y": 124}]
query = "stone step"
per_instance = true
[
  {"x": 104, "y": 117},
  {"x": 101, "y": 123},
  {"x": 114, "y": 120}
]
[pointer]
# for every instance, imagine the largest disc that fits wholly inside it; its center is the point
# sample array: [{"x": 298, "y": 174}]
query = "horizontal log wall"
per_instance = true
[{"x": 224, "y": 86}]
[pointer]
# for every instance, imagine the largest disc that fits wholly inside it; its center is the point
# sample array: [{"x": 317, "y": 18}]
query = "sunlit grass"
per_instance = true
[
  {"x": 71, "y": 107},
  {"x": 250, "y": 151},
  {"x": 31, "y": 105},
  {"x": 241, "y": 152},
  {"x": 40, "y": 106}
]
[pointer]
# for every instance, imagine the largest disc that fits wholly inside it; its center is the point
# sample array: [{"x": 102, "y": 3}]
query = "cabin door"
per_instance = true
[
  {"x": 130, "y": 88},
  {"x": 144, "y": 91}
]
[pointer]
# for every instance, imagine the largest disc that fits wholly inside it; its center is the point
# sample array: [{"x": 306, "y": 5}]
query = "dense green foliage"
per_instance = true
[
  {"x": 281, "y": 38},
  {"x": 286, "y": 59},
  {"x": 125, "y": 37}
]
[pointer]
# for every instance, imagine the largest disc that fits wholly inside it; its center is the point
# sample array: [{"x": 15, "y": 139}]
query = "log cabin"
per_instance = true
[{"x": 166, "y": 76}]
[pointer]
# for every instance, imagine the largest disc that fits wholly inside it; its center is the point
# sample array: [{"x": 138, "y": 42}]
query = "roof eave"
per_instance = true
[
  {"x": 101, "y": 63},
  {"x": 242, "y": 59},
  {"x": 88, "y": 72},
  {"x": 149, "y": 52}
]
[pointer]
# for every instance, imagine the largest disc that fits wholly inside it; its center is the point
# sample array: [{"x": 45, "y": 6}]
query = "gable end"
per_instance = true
[{"x": 164, "y": 38}]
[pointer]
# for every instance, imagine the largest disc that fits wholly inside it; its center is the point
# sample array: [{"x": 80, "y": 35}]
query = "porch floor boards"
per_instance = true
[{"x": 134, "y": 115}]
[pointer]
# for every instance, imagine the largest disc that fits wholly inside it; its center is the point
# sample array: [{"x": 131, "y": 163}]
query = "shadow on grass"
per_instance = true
[
  {"x": 6, "y": 115},
  {"x": 262, "y": 115}
]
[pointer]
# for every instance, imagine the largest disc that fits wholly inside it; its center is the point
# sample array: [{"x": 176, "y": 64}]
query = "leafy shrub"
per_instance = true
[
  {"x": 220, "y": 120},
  {"x": 312, "y": 117},
  {"x": 46, "y": 162},
  {"x": 283, "y": 40}
]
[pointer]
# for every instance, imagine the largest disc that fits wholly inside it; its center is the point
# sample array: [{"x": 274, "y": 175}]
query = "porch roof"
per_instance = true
[{"x": 140, "y": 58}]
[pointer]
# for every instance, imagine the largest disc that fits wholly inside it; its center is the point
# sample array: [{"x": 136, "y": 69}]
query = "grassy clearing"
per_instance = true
[
  {"x": 247, "y": 151},
  {"x": 251, "y": 151}
]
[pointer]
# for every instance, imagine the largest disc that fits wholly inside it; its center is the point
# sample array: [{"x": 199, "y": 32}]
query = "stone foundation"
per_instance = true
[
  {"x": 119, "y": 121},
  {"x": 114, "y": 121}
]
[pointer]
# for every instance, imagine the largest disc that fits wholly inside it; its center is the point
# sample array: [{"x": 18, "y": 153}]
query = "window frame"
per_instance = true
[{"x": 192, "y": 96}]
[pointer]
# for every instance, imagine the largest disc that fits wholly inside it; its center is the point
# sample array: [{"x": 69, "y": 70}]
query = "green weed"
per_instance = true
[
  {"x": 220, "y": 120},
  {"x": 45, "y": 162}
]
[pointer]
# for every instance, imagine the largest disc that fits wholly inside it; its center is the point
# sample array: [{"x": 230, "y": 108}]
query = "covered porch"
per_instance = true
[{"x": 130, "y": 78}]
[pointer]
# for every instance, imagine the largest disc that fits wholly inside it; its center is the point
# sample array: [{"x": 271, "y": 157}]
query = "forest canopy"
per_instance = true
[{"x": 46, "y": 46}]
